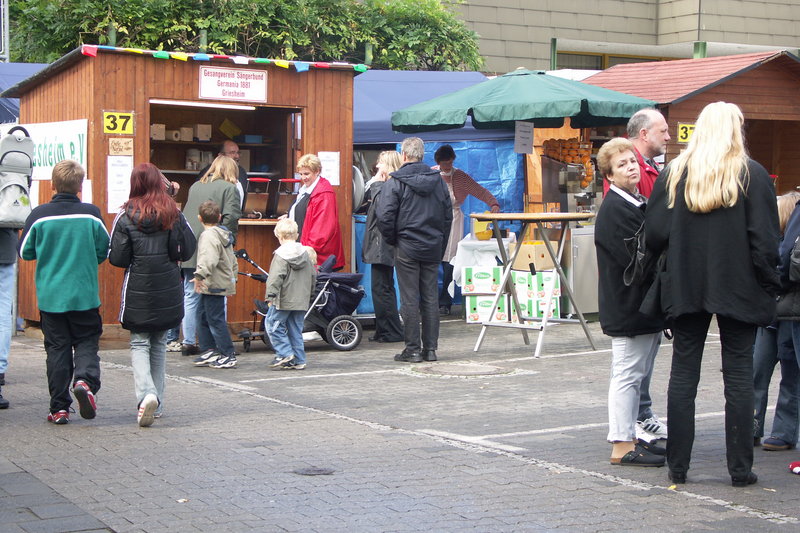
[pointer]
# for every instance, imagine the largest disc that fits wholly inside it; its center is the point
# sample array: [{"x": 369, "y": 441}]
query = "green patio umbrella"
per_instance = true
[{"x": 521, "y": 95}]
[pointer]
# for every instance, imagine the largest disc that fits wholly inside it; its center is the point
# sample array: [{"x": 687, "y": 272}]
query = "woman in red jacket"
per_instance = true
[{"x": 315, "y": 212}]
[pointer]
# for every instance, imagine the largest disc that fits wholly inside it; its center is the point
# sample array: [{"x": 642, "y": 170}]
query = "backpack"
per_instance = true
[{"x": 16, "y": 167}]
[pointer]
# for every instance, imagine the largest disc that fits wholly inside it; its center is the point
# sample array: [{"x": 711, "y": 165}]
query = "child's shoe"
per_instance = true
[
  {"x": 279, "y": 361},
  {"x": 146, "y": 409},
  {"x": 86, "y": 402},
  {"x": 224, "y": 361},
  {"x": 206, "y": 358},
  {"x": 59, "y": 417}
]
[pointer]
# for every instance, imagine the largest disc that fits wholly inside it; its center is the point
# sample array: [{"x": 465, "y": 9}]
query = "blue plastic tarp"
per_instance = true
[
  {"x": 10, "y": 75},
  {"x": 377, "y": 93}
]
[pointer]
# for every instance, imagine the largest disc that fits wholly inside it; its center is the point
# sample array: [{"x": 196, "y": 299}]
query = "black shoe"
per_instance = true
[
  {"x": 429, "y": 355},
  {"x": 679, "y": 478},
  {"x": 3, "y": 402},
  {"x": 639, "y": 457},
  {"x": 2, "y": 379},
  {"x": 408, "y": 357},
  {"x": 189, "y": 349},
  {"x": 444, "y": 310},
  {"x": 652, "y": 448},
  {"x": 749, "y": 479}
]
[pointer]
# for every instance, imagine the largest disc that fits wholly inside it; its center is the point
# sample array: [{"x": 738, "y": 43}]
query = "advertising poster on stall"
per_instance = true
[
  {"x": 118, "y": 180},
  {"x": 330, "y": 166},
  {"x": 55, "y": 141}
]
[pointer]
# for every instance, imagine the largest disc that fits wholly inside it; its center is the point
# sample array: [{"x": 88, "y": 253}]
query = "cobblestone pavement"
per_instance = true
[{"x": 488, "y": 441}]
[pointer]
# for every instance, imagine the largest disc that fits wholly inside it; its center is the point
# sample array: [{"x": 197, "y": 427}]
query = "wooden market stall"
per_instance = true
[
  {"x": 764, "y": 85},
  {"x": 277, "y": 110}
]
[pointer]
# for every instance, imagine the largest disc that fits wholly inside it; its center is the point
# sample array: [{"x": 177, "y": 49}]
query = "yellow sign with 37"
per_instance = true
[
  {"x": 685, "y": 132},
  {"x": 118, "y": 123}
]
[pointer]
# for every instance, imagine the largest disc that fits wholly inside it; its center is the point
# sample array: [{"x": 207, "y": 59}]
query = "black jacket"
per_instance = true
[
  {"x": 152, "y": 292},
  {"x": 723, "y": 262},
  {"x": 375, "y": 250},
  {"x": 617, "y": 220},
  {"x": 414, "y": 212}
]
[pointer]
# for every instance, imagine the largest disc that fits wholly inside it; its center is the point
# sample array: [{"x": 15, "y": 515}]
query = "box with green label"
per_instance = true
[
  {"x": 478, "y": 308},
  {"x": 480, "y": 279},
  {"x": 532, "y": 308},
  {"x": 543, "y": 281}
]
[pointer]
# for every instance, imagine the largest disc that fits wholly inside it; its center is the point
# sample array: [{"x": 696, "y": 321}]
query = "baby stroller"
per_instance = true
[{"x": 335, "y": 296}]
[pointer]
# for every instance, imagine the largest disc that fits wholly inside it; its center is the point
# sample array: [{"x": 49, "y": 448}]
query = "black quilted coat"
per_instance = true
[{"x": 152, "y": 291}]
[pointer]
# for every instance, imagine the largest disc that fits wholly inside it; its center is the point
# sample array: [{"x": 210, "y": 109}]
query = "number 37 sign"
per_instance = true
[
  {"x": 685, "y": 132},
  {"x": 118, "y": 123}
]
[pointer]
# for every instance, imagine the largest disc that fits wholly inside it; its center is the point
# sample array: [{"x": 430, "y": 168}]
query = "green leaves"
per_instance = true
[{"x": 405, "y": 34}]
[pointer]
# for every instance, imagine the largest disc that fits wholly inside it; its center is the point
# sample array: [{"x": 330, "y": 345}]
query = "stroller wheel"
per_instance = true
[{"x": 343, "y": 333}]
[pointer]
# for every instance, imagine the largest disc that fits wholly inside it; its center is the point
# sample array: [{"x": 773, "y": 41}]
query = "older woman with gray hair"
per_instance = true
[{"x": 635, "y": 338}]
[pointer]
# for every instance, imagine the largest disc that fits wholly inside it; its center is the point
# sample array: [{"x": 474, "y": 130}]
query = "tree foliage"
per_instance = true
[{"x": 402, "y": 34}]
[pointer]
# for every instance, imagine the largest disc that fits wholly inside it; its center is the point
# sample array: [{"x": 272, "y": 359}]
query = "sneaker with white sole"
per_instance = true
[
  {"x": 224, "y": 361},
  {"x": 174, "y": 346},
  {"x": 291, "y": 365},
  {"x": 59, "y": 417},
  {"x": 654, "y": 426},
  {"x": 87, "y": 405},
  {"x": 146, "y": 411},
  {"x": 280, "y": 361},
  {"x": 206, "y": 358}
]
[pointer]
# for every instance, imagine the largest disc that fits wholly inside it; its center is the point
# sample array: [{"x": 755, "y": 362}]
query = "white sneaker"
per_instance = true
[
  {"x": 654, "y": 426},
  {"x": 174, "y": 346},
  {"x": 146, "y": 410}
]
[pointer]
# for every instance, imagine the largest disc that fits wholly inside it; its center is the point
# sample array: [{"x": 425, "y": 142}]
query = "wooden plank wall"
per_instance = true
[
  {"x": 126, "y": 82},
  {"x": 768, "y": 98}
]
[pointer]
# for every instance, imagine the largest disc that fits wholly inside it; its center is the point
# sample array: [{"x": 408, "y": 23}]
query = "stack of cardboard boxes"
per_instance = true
[{"x": 480, "y": 284}]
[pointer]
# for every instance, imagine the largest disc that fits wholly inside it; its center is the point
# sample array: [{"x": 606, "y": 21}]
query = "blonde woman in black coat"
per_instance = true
[{"x": 713, "y": 210}]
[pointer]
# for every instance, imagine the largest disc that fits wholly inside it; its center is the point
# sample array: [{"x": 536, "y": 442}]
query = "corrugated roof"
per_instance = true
[{"x": 669, "y": 82}]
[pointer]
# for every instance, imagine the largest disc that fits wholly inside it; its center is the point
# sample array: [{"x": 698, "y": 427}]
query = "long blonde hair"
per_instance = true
[
  {"x": 786, "y": 205},
  {"x": 715, "y": 161},
  {"x": 223, "y": 167},
  {"x": 392, "y": 160}
]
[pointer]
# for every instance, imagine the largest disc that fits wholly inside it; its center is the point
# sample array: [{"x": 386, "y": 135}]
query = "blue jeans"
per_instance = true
[
  {"x": 631, "y": 357},
  {"x": 212, "y": 329},
  {"x": 7, "y": 282},
  {"x": 773, "y": 346},
  {"x": 285, "y": 330},
  {"x": 173, "y": 334},
  {"x": 190, "y": 300},
  {"x": 148, "y": 359}
]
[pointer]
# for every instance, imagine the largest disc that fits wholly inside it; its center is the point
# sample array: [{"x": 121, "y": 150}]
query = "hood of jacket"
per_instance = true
[
  {"x": 145, "y": 225},
  {"x": 222, "y": 234},
  {"x": 421, "y": 178},
  {"x": 293, "y": 253}
]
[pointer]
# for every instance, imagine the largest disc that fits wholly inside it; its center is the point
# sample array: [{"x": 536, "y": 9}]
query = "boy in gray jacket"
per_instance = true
[
  {"x": 292, "y": 274},
  {"x": 214, "y": 279}
]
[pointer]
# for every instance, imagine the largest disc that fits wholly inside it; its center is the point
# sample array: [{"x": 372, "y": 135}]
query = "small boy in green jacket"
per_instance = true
[
  {"x": 291, "y": 279},
  {"x": 214, "y": 279}
]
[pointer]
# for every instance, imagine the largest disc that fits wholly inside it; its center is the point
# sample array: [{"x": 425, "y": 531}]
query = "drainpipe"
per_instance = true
[
  {"x": 699, "y": 50},
  {"x": 553, "y": 53},
  {"x": 112, "y": 34},
  {"x": 368, "y": 54},
  {"x": 203, "y": 44}
]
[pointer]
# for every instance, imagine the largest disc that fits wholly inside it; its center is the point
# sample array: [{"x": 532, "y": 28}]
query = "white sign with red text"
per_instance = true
[{"x": 234, "y": 84}]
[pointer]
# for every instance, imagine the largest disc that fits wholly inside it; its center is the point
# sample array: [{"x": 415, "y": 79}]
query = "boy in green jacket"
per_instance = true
[
  {"x": 291, "y": 280},
  {"x": 214, "y": 279},
  {"x": 67, "y": 239}
]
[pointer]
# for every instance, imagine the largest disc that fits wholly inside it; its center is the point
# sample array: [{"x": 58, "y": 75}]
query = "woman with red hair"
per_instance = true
[{"x": 149, "y": 237}]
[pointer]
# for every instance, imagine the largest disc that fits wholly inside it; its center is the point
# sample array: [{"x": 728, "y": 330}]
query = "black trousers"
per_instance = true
[
  {"x": 447, "y": 278},
  {"x": 737, "y": 340},
  {"x": 418, "y": 295},
  {"x": 384, "y": 301},
  {"x": 71, "y": 341}
]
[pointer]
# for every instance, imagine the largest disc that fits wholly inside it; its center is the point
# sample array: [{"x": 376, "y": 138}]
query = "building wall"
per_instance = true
[{"x": 517, "y": 33}]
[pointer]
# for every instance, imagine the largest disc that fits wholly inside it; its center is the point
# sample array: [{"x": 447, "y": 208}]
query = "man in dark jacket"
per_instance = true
[{"x": 414, "y": 213}]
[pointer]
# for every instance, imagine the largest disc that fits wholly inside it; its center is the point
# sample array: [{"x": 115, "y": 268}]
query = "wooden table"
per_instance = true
[{"x": 506, "y": 286}]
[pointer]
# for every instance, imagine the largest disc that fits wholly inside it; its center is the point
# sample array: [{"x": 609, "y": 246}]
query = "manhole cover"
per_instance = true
[
  {"x": 314, "y": 471},
  {"x": 462, "y": 369}
]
